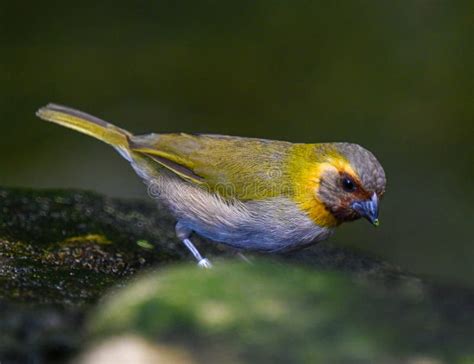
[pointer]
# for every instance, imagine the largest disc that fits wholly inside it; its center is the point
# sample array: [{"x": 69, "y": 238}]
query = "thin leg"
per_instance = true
[
  {"x": 183, "y": 233},
  {"x": 244, "y": 258},
  {"x": 202, "y": 262}
]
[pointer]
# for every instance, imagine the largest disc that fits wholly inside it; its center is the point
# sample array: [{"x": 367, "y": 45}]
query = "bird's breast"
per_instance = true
[{"x": 273, "y": 224}]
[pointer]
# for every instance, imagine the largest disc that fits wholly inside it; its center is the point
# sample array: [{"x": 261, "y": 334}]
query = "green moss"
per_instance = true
[
  {"x": 144, "y": 244},
  {"x": 86, "y": 239},
  {"x": 279, "y": 313}
]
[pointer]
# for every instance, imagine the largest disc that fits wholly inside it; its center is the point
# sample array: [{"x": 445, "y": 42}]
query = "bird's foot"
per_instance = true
[{"x": 205, "y": 263}]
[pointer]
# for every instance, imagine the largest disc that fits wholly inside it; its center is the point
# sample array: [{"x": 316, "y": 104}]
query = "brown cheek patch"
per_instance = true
[
  {"x": 344, "y": 212},
  {"x": 361, "y": 194}
]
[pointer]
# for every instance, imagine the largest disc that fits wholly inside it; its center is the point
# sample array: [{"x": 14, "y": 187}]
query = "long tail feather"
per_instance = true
[{"x": 85, "y": 123}]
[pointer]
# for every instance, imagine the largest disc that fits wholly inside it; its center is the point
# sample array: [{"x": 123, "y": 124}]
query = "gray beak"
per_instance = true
[{"x": 368, "y": 209}]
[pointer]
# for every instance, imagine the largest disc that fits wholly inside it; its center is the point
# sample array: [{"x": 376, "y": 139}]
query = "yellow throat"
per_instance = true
[{"x": 306, "y": 168}]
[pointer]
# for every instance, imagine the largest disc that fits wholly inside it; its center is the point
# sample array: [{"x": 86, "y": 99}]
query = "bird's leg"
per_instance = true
[
  {"x": 244, "y": 258},
  {"x": 202, "y": 262},
  {"x": 183, "y": 233}
]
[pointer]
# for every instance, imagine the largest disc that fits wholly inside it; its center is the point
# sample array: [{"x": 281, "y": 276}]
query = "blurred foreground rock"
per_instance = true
[
  {"x": 279, "y": 313},
  {"x": 60, "y": 251}
]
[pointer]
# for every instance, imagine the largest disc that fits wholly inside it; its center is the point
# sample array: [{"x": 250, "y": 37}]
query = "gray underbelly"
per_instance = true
[
  {"x": 262, "y": 240},
  {"x": 276, "y": 225}
]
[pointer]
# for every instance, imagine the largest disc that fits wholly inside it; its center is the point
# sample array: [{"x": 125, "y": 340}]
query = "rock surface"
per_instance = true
[{"x": 61, "y": 251}]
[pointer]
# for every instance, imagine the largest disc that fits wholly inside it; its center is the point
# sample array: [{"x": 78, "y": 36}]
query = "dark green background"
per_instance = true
[{"x": 396, "y": 77}]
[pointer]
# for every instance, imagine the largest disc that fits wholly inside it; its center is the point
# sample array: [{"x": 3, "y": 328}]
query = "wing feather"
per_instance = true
[{"x": 234, "y": 167}]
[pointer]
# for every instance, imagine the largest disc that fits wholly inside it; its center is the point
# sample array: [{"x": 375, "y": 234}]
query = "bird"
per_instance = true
[{"x": 248, "y": 193}]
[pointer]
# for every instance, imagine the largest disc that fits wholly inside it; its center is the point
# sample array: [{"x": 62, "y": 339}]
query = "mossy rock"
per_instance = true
[
  {"x": 280, "y": 313},
  {"x": 60, "y": 251},
  {"x": 64, "y": 246}
]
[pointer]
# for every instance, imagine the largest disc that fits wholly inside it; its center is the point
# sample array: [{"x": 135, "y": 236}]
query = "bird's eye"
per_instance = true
[{"x": 348, "y": 185}]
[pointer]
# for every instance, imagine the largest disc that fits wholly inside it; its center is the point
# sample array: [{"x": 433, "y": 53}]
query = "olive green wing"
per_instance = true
[{"x": 234, "y": 167}]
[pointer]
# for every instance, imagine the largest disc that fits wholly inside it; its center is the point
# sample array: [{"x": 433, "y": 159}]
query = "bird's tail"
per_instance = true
[{"x": 87, "y": 124}]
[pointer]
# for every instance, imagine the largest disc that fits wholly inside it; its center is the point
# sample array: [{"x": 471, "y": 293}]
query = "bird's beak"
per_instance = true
[{"x": 368, "y": 209}]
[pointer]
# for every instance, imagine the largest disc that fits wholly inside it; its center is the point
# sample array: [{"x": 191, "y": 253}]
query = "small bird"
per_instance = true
[{"x": 248, "y": 193}]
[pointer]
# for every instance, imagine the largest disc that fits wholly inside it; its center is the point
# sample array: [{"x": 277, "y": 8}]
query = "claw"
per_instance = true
[{"x": 205, "y": 263}]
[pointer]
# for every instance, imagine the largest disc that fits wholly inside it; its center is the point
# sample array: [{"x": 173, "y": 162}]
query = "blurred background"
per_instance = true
[{"x": 396, "y": 77}]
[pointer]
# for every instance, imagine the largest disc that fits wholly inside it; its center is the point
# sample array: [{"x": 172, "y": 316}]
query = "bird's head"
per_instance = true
[
  {"x": 351, "y": 183},
  {"x": 337, "y": 182}
]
